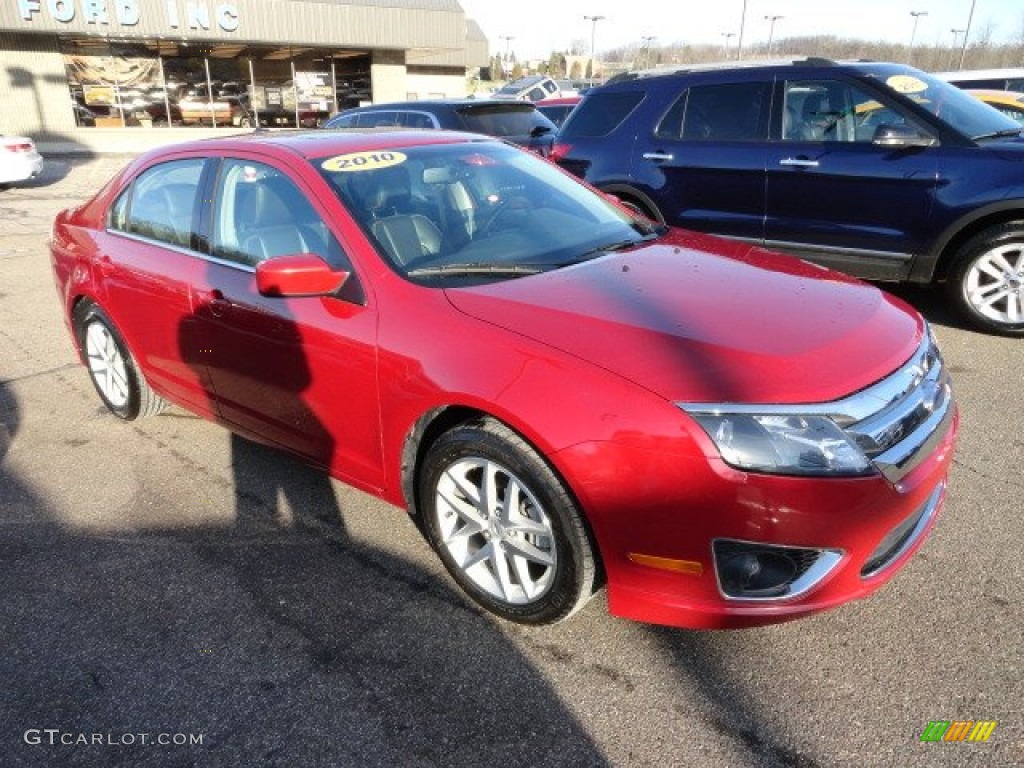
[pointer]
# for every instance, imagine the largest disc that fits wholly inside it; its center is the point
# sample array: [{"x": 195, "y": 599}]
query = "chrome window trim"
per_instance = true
[
  {"x": 181, "y": 249},
  {"x": 827, "y": 561}
]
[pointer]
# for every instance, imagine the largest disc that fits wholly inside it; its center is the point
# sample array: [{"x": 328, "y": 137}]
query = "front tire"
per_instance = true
[
  {"x": 504, "y": 525},
  {"x": 113, "y": 370},
  {"x": 986, "y": 282}
]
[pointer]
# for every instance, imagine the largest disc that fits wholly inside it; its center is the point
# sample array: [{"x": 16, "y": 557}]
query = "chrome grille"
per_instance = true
[{"x": 916, "y": 409}]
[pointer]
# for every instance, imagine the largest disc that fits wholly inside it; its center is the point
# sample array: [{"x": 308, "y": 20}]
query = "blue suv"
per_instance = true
[{"x": 879, "y": 170}]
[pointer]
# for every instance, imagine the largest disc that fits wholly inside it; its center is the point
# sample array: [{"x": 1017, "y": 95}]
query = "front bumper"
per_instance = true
[{"x": 677, "y": 507}]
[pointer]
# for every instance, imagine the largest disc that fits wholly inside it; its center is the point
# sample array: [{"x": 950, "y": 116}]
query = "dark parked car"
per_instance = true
[
  {"x": 879, "y": 170},
  {"x": 516, "y": 121},
  {"x": 564, "y": 393},
  {"x": 558, "y": 110}
]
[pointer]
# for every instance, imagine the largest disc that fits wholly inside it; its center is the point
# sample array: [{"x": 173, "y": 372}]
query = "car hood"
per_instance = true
[{"x": 739, "y": 325}]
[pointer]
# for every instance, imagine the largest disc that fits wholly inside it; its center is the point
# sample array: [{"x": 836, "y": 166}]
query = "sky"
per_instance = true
[{"x": 541, "y": 26}]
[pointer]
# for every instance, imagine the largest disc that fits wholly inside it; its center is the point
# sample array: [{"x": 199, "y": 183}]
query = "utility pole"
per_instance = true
[
  {"x": 593, "y": 33},
  {"x": 771, "y": 30},
  {"x": 967, "y": 33}
]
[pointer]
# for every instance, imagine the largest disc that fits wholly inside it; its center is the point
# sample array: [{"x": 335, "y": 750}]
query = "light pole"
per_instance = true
[
  {"x": 952, "y": 56},
  {"x": 507, "y": 67},
  {"x": 743, "y": 22},
  {"x": 967, "y": 33},
  {"x": 913, "y": 33},
  {"x": 647, "y": 50},
  {"x": 593, "y": 33},
  {"x": 771, "y": 30},
  {"x": 727, "y": 35}
]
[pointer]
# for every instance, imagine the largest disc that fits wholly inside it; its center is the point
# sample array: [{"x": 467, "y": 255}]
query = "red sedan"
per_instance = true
[{"x": 567, "y": 395}]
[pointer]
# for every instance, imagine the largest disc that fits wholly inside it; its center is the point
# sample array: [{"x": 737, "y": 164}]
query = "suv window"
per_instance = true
[
  {"x": 161, "y": 202},
  {"x": 833, "y": 110},
  {"x": 603, "y": 114},
  {"x": 727, "y": 112}
]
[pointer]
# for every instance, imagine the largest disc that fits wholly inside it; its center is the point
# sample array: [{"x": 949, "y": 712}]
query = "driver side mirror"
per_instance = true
[
  {"x": 301, "y": 274},
  {"x": 887, "y": 135}
]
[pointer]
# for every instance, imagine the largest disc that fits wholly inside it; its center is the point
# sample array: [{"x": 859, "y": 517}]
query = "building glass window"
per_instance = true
[{"x": 156, "y": 83}]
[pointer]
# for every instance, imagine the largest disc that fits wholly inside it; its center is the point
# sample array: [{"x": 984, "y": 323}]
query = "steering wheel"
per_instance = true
[{"x": 517, "y": 204}]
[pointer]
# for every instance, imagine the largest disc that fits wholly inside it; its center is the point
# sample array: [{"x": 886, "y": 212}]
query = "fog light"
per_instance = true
[
  {"x": 751, "y": 571},
  {"x": 757, "y": 574}
]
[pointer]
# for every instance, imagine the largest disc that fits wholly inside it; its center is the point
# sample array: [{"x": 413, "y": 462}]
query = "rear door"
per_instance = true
[
  {"x": 835, "y": 197},
  {"x": 148, "y": 264},
  {"x": 702, "y": 161}
]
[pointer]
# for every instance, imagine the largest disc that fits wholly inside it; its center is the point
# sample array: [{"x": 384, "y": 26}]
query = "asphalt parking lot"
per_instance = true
[{"x": 176, "y": 596}]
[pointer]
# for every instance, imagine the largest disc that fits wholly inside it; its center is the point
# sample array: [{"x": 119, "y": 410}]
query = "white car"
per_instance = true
[{"x": 19, "y": 159}]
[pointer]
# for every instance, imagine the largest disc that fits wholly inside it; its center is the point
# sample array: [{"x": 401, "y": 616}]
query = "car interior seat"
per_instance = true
[{"x": 271, "y": 218}]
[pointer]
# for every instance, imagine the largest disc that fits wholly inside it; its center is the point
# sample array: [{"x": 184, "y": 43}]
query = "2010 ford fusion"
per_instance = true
[{"x": 568, "y": 396}]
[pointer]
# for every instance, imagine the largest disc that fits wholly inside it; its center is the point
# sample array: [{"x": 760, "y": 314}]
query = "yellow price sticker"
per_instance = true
[
  {"x": 355, "y": 162},
  {"x": 906, "y": 84}
]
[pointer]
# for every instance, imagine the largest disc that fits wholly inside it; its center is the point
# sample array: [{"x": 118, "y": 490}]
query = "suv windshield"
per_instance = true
[
  {"x": 967, "y": 114},
  {"x": 470, "y": 212}
]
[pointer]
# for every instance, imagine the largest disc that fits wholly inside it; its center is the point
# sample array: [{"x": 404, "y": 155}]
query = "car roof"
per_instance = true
[
  {"x": 433, "y": 103},
  {"x": 748, "y": 64},
  {"x": 321, "y": 142},
  {"x": 562, "y": 101}
]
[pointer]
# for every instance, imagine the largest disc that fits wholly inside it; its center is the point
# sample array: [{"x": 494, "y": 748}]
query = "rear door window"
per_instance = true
[
  {"x": 161, "y": 203},
  {"x": 602, "y": 113},
  {"x": 722, "y": 112}
]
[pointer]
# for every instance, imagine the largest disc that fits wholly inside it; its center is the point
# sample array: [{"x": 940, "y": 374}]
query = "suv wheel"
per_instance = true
[{"x": 986, "y": 283}]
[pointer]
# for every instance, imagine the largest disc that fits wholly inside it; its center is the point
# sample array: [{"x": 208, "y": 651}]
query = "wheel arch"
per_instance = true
[
  {"x": 628, "y": 193},
  {"x": 435, "y": 422},
  {"x": 937, "y": 266}
]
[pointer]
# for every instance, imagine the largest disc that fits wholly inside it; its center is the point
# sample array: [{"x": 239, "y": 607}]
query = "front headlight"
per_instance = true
[{"x": 783, "y": 444}]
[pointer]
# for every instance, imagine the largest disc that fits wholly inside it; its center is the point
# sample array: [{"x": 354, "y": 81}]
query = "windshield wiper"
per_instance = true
[
  {"x": 616, "y": 245},
  {"x": 475, "y": 269},
  {"x": 1005, "y": 133}
]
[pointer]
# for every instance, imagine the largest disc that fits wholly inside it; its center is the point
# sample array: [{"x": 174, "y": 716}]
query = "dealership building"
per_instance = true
[{"x": 108, "y": 74}]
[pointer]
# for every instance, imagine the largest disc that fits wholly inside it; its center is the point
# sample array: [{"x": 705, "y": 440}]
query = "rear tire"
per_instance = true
[
  {"x": 504, "y": 524},
  {"x": 986, "y": 281},
  {"x": 113, "y": 370}
]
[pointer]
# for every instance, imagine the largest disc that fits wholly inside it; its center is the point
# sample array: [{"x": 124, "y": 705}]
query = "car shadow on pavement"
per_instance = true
[{"x": 276, "y": 645}]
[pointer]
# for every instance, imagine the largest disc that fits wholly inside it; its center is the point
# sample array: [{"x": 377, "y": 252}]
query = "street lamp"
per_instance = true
[
  {"x": 743, "y": 21},
  {"x": 967, "y": 33},
  {"x": 727, "y": 35},
  {"x": 952, "y": 56},
  {"x": 647, "y": 50},
  {"x": 507, "y": 67},
  {"x": 917, "y": 15},
  {"x": 593, "y": 32},
  {"x": 771, "y": 30}
]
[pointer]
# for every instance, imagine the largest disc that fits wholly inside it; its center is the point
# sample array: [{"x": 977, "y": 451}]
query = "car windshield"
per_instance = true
[
  {"x": 476, "y": 211},
  {"x": 957, "y": 108}
]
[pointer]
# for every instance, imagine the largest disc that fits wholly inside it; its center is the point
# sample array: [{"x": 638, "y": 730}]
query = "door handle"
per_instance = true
[
  {"x": 798, "y": 162},
  {"x": 656, "y": 156},
  {"x": 215, "y": 301}
]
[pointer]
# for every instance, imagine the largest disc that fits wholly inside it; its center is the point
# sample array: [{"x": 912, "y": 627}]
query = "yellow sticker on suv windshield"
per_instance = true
[
  {"x": 363, "y": 161},
  {"x": 906, "y": 84}
]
